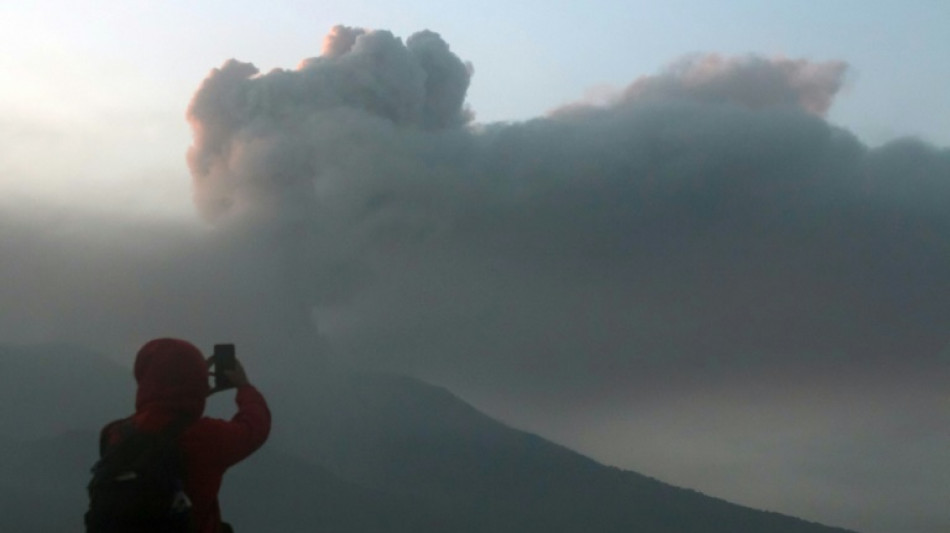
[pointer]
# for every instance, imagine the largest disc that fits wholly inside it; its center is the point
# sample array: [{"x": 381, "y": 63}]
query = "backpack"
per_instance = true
[{"x": 137, "y": 485}]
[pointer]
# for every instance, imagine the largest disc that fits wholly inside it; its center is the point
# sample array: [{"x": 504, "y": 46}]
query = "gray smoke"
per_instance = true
[
  {"x": 705, "y": 234},
  {"x": 262, "y": 138},
  {"x": 751, "y": 81},
  {"x": 708, "y": 206}
]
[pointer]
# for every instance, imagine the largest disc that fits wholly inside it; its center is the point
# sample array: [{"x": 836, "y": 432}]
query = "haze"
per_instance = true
[{"x": 706, "y": 244}]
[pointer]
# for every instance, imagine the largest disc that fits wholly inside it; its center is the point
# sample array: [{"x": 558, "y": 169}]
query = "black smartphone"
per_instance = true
[{"x": 223, "y": 360}]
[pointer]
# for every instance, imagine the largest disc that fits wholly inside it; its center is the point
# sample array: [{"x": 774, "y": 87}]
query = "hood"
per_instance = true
[{"x": 172, "y": 378}]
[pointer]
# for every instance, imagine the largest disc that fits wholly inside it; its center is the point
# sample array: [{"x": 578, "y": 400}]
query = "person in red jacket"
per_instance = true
[{"x": 172, "y": 377}]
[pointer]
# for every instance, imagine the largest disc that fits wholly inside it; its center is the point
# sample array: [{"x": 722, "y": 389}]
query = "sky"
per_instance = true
[
  {"x": 119, "y": 72},
  {"x": 706, "y": 243}
]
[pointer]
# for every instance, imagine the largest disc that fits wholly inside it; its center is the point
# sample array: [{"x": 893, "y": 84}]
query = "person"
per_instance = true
[{"x": 173, "y": 384}]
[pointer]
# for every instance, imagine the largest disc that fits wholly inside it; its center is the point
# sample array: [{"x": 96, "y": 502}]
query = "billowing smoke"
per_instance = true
[
  {"x": 752, "y": 81},
  {"x": 702, "y": 241},
  {"x": 707, "y": 211},
  {"x": 262, "y": 140}
]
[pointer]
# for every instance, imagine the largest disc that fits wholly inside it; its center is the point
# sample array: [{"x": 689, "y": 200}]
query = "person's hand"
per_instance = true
[{"x": 236, "y": 376}]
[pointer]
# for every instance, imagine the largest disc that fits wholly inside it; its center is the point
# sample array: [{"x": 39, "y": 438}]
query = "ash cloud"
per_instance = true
[
  {"x": 261, "y": 135},
  {"x": 705, "y": 234},
  {"x": 750, "y": 81},
  {"x": 708, "y": 211}
]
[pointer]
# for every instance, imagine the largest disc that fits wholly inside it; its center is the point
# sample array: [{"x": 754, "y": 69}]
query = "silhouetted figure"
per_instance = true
[{"x": 172, "y": 377}]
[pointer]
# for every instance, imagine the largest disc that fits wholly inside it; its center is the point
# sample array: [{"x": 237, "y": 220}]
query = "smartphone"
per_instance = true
[{"x": 223, "y": 360}]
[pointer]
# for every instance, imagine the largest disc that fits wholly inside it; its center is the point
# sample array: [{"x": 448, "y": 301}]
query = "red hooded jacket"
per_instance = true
[{"x": 172, "y": 378}]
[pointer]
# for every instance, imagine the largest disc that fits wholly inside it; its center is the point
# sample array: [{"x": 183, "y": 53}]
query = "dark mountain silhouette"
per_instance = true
[
  {"x": 402, "y": 436},
  {"x": 376, "y": 453}
]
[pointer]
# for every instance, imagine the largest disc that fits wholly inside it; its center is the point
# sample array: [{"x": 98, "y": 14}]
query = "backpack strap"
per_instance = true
[{"x": 123, "y": 426}]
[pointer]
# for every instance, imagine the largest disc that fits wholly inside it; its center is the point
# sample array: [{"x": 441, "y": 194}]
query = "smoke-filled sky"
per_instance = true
[{"x": 707, "y": 244}]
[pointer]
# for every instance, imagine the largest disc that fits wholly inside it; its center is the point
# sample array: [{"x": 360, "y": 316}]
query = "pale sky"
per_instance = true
[{"x": 93, "y": 93}]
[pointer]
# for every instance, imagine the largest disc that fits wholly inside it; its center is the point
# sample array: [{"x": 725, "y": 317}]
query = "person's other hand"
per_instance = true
[{"x": 236, "y": 375}]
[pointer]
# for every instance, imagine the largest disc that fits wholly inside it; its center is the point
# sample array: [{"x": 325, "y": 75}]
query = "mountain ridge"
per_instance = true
[{"x": 480, "y": 465}]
